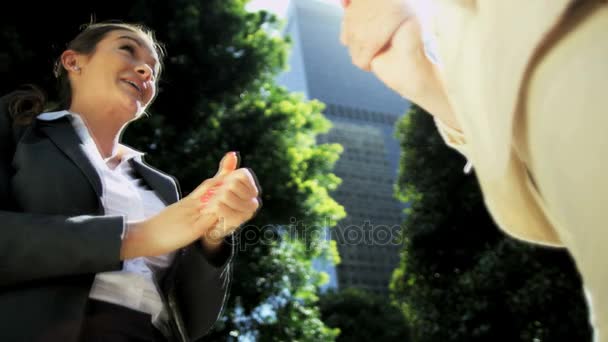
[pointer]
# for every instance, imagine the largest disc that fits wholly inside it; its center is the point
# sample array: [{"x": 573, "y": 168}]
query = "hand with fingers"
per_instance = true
[
  {"x": 369, "y": 25},
  {"x": 385, "y": 37},
  {"x": 215, "y": 209},
  {"x": 232, "y": 200}
]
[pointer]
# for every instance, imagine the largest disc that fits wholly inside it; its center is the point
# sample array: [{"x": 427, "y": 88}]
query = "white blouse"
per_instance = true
[{"x": 127, "y": 195}]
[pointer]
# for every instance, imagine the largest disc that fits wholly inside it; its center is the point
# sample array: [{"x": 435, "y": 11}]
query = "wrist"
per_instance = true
[
  {"x": 133, "y": 242},
  {"x": 217, "y": 254},
  {"x": 436, "y": 102},
  {"x": 211, "y": 244}
]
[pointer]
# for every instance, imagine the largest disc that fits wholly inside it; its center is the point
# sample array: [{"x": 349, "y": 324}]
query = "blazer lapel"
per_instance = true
[
  {"x": 62, "y": 133},
  {"x": 164, "y": 185}
]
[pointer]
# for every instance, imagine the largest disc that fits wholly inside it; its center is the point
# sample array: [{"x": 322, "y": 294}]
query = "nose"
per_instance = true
[{"x": 144, "y": 71}]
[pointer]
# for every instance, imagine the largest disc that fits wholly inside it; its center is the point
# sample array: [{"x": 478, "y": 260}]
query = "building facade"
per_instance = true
[{"x": 363, "y": 112}]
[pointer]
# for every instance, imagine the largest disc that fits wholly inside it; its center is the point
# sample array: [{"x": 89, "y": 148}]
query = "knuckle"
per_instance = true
[
  {"x": 357, "y": 61},
  {"x": 362, "y": 60},
  {"x": 249, "y": 172},
  {"x": 226, "y": 186},
  {"x": 218, "y": 201},
  {"x": 221, "y": 197},
  {"x": 232, "y": 187},
  {"x": 243, "y": 174},
  {"x": 207, "y": 182}
]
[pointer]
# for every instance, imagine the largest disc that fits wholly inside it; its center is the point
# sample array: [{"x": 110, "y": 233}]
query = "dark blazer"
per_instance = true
[{"x": 54, "y": 238}]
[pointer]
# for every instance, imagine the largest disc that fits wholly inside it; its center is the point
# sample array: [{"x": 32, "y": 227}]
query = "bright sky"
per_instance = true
[{"x": 278, "y": 6}]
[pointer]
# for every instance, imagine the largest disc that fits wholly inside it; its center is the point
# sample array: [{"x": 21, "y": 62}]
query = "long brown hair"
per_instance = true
[{"x": 28, "y": 102}]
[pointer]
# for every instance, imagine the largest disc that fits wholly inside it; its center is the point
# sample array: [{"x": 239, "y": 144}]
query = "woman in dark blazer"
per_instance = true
[{"x": 75, "y": 262}]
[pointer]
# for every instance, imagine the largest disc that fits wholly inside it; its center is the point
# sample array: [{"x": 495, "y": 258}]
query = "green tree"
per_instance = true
[
  {"x": 460, "y": 278},
  {"x": 217, "y": 95},
  {"x": 363, "y": 316}
]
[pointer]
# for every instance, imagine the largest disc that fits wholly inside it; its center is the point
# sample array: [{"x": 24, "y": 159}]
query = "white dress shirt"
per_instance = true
[{"x": 125, "y": 194}]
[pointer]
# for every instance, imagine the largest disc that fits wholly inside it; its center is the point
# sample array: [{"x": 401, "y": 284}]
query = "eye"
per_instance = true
[{"x": 129, "y": 48}]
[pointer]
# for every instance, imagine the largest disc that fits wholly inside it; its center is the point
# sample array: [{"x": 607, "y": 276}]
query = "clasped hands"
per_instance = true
[{"x": 214, "y": 210}]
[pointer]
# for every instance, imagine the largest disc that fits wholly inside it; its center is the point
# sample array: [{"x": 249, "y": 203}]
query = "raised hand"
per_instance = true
[
  {"x": 191, "y": 218},
  {"x": 233, "y": 200},
  {"x": 368, "y": 26},
  {"x": 385, "y": 37}
]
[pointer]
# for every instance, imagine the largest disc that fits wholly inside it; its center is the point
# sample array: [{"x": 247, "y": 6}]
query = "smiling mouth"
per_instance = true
[{"x": 134, "y": 85}]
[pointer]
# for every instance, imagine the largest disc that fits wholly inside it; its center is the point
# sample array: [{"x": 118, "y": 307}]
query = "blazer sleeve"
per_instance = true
[
  {"x": 34, "y": 246},
  {"x": 199, "y": 286}
]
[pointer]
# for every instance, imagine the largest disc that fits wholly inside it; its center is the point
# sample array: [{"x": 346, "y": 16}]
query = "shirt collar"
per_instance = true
[
  {"x": 51, "y": 116},
  {"x": 77, "y": 121}
]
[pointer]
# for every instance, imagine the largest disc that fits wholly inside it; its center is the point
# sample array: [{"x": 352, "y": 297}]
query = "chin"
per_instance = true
[
  {"x": 141, "y": 109},
  {"x": 139, "y": 113},
  {"x": 133, "y": 108}
]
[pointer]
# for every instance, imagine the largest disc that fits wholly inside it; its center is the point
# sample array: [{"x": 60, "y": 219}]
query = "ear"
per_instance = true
[{"x": 72, "y": 61}]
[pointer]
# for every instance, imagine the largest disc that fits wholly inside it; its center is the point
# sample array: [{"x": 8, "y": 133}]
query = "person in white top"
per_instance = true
[
  {"x": 96, "y": 244},
  {"x": 519, "y": 88}
]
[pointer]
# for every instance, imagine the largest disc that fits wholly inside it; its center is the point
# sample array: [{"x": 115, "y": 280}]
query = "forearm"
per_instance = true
[{"x": 435, "y": 100}]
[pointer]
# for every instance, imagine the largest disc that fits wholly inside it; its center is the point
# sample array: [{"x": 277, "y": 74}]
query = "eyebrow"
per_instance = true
[
  {"x": 133, "y": 39},
  {"x": 141, "y": 45}
]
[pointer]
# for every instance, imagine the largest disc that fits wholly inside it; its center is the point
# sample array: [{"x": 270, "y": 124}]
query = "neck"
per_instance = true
[{"x": 103, "y": 127}]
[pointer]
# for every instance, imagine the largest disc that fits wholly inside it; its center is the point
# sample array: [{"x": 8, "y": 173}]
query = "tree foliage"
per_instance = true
[
  {"x": 460, "y": 278},
  {"x": 363, "y": 316}
]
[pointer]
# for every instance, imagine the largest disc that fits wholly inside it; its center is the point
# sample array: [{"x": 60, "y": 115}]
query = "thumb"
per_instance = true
[{"x": 229, "y": 163}]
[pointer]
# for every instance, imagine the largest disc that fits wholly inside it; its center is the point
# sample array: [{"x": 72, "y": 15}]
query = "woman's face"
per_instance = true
[{"x": 119, "y": 75}]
